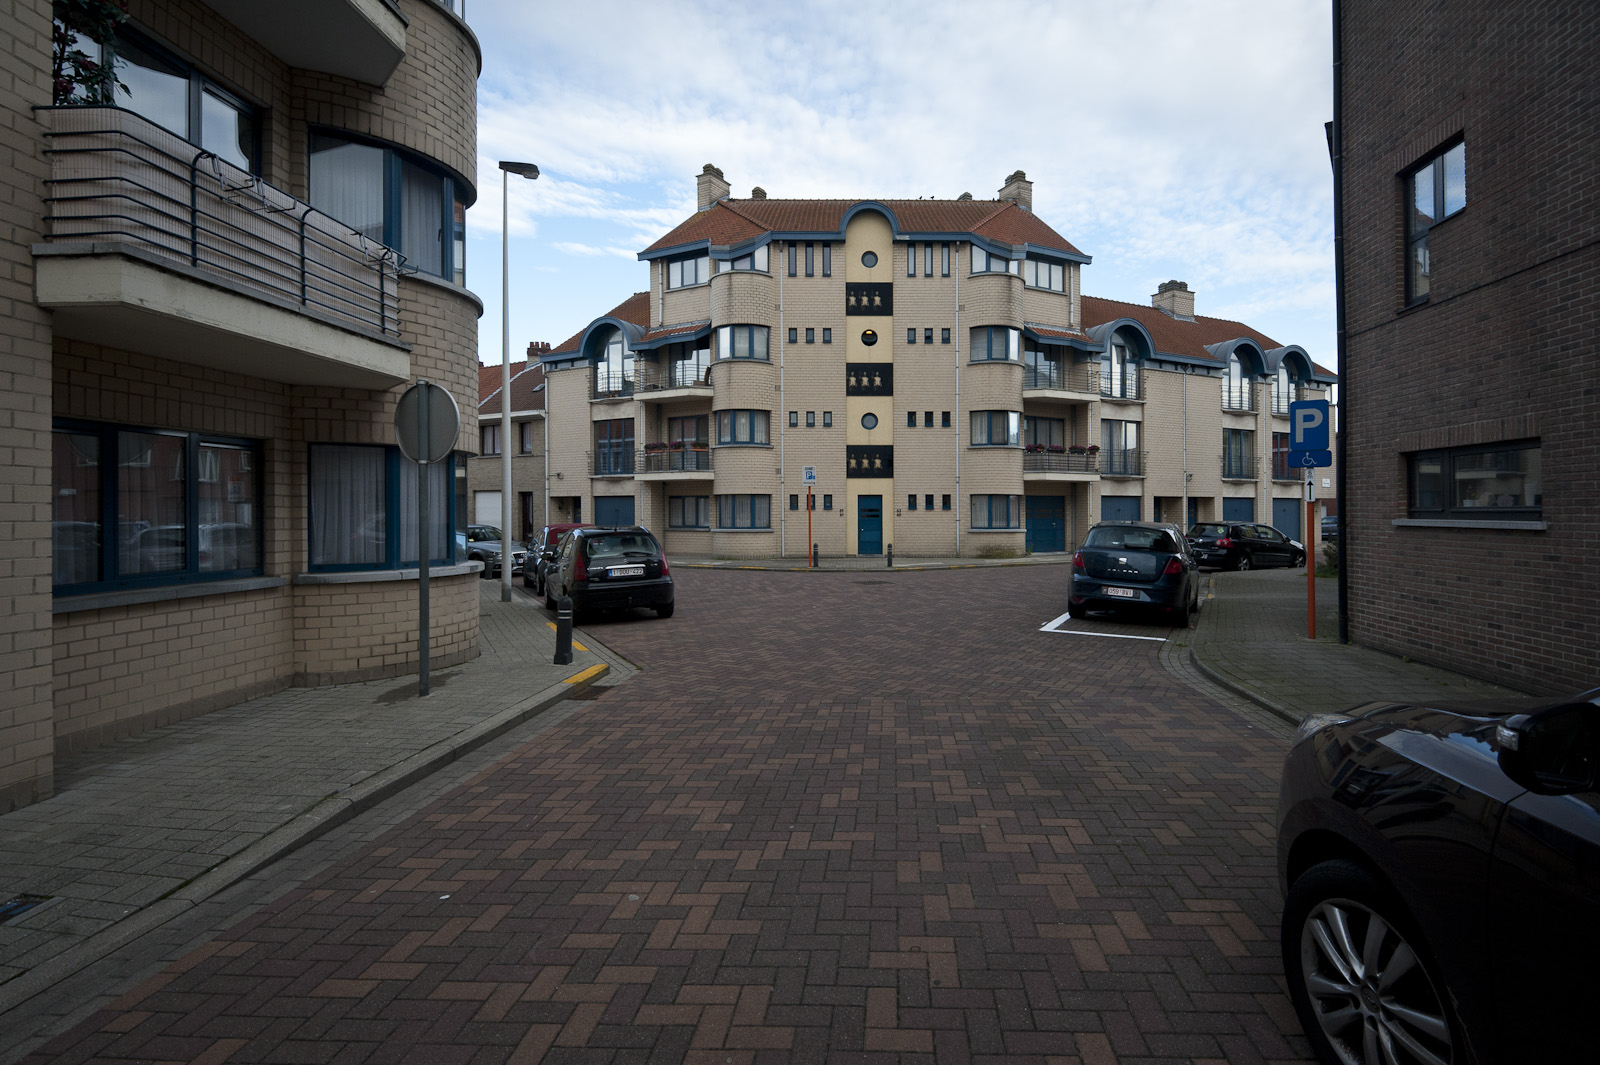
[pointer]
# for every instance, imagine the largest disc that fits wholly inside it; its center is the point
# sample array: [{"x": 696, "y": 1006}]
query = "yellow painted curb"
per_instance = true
[
  {"x": 591, "y": 673},
  {"x": 575, "y": 643}
]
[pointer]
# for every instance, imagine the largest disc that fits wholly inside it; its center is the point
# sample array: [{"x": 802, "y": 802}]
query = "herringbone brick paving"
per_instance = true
[{"x": 834, "y": 819}]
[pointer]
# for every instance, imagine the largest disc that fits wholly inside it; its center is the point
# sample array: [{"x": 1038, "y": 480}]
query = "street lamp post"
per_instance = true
[{"x": 527, "y": 170}]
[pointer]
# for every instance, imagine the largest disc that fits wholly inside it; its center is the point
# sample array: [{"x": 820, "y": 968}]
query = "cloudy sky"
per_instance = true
[{"x": 1165, "y": 138}]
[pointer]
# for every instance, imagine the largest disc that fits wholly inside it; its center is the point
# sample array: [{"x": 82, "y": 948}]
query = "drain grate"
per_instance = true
[{"x": 18, "y": 905}]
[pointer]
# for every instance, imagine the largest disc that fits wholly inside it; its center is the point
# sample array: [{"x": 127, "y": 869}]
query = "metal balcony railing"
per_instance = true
[
  {"x": 1124, "y": 462},
  {"x": 613, "y": 461},
  {"x": 679, "y": 373},
  {"x": 1129, "y": 384},
  {"x": 1239, "y": 397},
  {"x": 1060, "y": 461},
  {"x": 1238, "y": 467},
  {"x": 612, "y": 385},
  {"x": 692, "y": 458},
  {"x": 116, "y": 177},
  {"x": 1062, "y": 377}
]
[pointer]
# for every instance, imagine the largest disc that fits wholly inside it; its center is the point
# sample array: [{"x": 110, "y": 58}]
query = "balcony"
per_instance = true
[
  {"x": 1239, "y": 398},
  {"x": 687, "y": 462},
  {"x": 155, "y": 246},
  {"x": 613, "y": 385},
  {"x": 1059, "y": 377},
  {"x": 1124, "y": 387},
  {"x": 1239, "y": 468},
  {"x": 355, "y": 39},
  {"x": 1067, "y": 464},
  {"x": 1121, "y": 462},
  {"x": 676, "y": 374},
  {"x": 612, "y": 461}
]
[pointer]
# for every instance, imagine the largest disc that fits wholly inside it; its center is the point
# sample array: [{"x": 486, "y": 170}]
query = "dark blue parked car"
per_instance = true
[{"x": 1134, "y": 566}]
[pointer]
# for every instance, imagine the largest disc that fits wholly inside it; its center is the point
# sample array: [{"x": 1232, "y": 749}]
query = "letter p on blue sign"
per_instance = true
[{"x": 1308, "y": 420}]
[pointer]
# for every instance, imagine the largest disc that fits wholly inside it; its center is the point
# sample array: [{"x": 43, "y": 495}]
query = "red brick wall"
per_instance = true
[{"x": 1506, "y": 345}]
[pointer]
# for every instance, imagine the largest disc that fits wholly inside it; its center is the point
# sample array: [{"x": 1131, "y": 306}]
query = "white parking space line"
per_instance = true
[{"x": 1055, "y": 626}]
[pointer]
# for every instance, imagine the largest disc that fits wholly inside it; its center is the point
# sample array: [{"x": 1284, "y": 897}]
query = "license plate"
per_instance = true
[
  {"x": 626, "y": 571},
  {"x": 1121, "y": 593}
]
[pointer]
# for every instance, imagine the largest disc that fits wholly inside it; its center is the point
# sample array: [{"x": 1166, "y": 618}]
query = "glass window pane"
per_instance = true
[
  {"x": 347, "y": 183},
  {"x": 422, "y": 218},
  {"x": 1496, "y": 479},
  {"x": 674, "y": 275},
  {"x": 75, "y": 509},
  {"x": 758, "y": 419},
  {"x": 227, "y": 130},
  {"x": 1422, "y": 200},
  {"x": 458, "y": 259},
  {"x": 1417, "y": 269},
  {"x": 1427, "y": 482},
  {"x": 438, "y": 511},
  {"x": 229, "y": 530},
  {"x": 1455, "y": 179},
  {"x": 157, "y": 89},
  {"x": 151, "y": 476},
  {"x": 758, "y": 344},
  {"x": 741, "y": 342},
  {"x": 348, "y": 503},
  {"x": 760, "y": 512}
]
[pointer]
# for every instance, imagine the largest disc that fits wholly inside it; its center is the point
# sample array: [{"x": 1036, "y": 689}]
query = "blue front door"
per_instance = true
[
  {"x": 613, "y": 510},
  {"x": 1047, "y": 523},
  {"x": 1286, "y": 517},
  {"x": 869, "y": 525},
  {"x": 1237, "y": 509}
]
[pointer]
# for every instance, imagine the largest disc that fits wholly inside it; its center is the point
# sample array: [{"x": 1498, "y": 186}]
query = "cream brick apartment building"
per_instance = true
[
  {"x": 936, "y": 367},
  {"x": 217, "y": 286},
  {"x": 485, "y": 474}
]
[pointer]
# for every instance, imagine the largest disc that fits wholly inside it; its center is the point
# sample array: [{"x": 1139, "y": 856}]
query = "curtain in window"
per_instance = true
[
  {"x": 422, "y": 218},
  {"x": 347, "y": 183},
  {"x": 438, "y": 510},
  {"x": 348, "y": 499}
]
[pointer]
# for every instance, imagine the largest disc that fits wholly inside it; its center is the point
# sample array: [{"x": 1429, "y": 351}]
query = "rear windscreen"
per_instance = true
[
  {"x": 630, "y": 544},
  {"x": 1209, "y": 530},
  {"x": 1131, "y": 539}
]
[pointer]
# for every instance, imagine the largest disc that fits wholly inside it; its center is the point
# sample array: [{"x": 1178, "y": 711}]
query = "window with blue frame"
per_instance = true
[
  {"x": 983, "y": 262},
  {"x": 694, "y": 270},
  {"x": 363, "y": 509},
  {"x": 136, "y": 506},
  {"x": 996, "y": 428},
  {"x": 742, "y": 342},
  {"x": 996, "y": 512},
  {"x": 744, "y": 512},
  {"x": 1038, "y": 273},
  {"x": 688, "y": 512},
  {"x": 742, "y": 427},
  {"x": 755, "y": 260},
  {"x": 995, "y": 343},
  {"x": 393, "y": 198}
]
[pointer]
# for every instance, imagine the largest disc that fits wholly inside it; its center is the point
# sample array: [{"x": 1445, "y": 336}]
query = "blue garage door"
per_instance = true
[
  {"x": 1119, "y": 508},
  {"x": 1238, "y": 509},
  {"x": 613, "y": 510},
  {"x": 1286, "y": 517},
  {"x": 1047, "y": 523}
]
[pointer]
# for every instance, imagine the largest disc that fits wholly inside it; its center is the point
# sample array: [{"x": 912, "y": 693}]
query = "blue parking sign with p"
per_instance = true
[{"x": 1308, "y": 425}]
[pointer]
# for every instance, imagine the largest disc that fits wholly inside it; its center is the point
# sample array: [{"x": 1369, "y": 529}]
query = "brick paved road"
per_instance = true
[{"x": 845, "y": 817}]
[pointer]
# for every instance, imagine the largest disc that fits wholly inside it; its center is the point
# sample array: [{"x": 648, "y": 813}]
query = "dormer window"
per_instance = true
[
  {"x": 756, "y": 260},
  {"x": 1036, "y": 273},
  {"x": 984, "y": 262},
  {"x": 681, "y": 273}
]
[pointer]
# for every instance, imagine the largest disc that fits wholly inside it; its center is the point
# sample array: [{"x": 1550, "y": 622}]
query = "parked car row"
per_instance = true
[
  {"x": 600, "y": 568},
  {"x": 1243, "y": 545},
  {"x": 484, "y": 545}
]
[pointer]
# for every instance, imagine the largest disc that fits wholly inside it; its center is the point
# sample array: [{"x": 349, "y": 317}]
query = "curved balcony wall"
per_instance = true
[
  {"x": 745, "y": 383},
  {"x": 744, "y": 296},
  {"x": 991, "y": 385},
  {"x": 997, "y": 470},
  {"x": 991, "y": 299},
  {"x": 746, "y": 469}
]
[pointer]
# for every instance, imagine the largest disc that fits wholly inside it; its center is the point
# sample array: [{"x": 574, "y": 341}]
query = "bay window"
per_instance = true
[
  {"x": 742, "y": 427},
  {"x": 996, "y": 428},
  {"x": 742, "y": 342},
  {"x": 995, "y": 343},
  {"x": 755, "y": 260},
  {"x": 984, "y": 262},
  {"x": 744, "y": 512},
  {"x": 364, "y": 508}
]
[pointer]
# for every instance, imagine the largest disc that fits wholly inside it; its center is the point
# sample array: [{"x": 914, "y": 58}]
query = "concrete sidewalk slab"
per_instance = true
[{"x": 143, "y": 829}]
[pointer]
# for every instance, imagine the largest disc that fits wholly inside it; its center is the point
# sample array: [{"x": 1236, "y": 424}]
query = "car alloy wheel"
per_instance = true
[
  {"x": 1362, "y": 983},
  {"x": 1244, "y": 562}
]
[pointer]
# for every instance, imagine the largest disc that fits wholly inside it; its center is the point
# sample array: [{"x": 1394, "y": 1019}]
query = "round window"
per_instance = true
[
  {"x": 869, "y": 259},
  {"x": 869, "y": 421},
  {"x": 869, "y": 337}
]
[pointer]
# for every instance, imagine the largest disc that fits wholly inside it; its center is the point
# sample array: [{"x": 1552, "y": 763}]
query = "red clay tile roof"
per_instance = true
[
  {"x": 527, "y": 392},
  {"x": 734, "y": 221},
  {"x": 681, "y": 329},
  {"x": 1175, "y": 336},
  {"x": 1054, "y": 331},
  {"x": 635, "y": 309},
  {"x": 489, "y": 378}
]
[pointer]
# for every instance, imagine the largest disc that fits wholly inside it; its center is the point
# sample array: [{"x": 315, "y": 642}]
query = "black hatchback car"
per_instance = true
[
  {"x": 1441, "y": 875},
  {"x": 609, "y": 569},
  {"x": 1140, "y": 565},
  {"x": 1242, "y": 545}
]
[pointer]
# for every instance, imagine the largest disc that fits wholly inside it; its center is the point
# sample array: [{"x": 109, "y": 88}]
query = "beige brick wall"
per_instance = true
[
  {"x": 26, "y": 740},
  {"x": 368, "y": 630}
]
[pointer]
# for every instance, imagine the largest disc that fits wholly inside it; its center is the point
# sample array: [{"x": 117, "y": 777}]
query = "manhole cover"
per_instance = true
[{"x": 17, "y": 905}]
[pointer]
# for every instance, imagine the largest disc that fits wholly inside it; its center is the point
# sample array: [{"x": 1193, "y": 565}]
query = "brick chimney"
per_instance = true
[
  {"x": 537, "y": 350},
  {"x": 710, "y": 187},
  {"x": 758, "y": 193},
  {"x": 1019, "y": 190},
  {"x": 1174, "y": 299}
]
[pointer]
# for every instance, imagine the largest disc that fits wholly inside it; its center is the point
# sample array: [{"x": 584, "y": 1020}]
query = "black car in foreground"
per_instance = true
[
  {"x": 610, "y": 569},
  {"x": 1242, "y": 545},
  {"x": 1441, "y": 876},
  {"x": 1134, "y": 565}
]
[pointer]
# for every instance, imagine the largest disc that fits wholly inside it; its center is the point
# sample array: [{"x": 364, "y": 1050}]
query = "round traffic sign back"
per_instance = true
[{"x": 426, "y": 422}]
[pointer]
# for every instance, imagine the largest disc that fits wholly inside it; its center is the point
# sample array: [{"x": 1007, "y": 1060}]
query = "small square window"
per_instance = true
[
  {"x": 794, "y": 335},
  {"x": 911, "y": 419},
  {"x": 794, "y": 501},
  {"x": 944, "y": 418},
  {"x": 944, "y": 336},
  {"x": 911, "y": 501},
  {"x": 827, "y": 419},
  {"x": 944, "y": 502},
  {"x": 927, "y": 419},
  {"x": 927, "y": 336},
  {"x": 794, "y": 419},
  {"x": 911, "y": 335},
  {"x": 827, "y": 500},
  {"x": 811, "y": 336},
  {"x": 928, "y": 500},
  {"x": 811, "y": 419},
  {"x": 827, "y": 335}
]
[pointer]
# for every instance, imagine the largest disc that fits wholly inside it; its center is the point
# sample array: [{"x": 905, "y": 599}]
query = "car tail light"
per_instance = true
[
  {"x": 580, "y": 569},
  {"x": 1174, "y": 567},
  {"x": 1077, "y": 560},
  {"x": 666, "y": 570},
  {"x": 1225, "y": 542}
]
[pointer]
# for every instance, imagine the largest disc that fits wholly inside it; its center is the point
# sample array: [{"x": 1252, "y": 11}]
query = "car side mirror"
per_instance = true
[{"x": 1553, "y": 752}]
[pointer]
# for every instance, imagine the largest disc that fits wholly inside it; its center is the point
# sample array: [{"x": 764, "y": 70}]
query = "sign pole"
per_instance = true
[
  {"x": 422, "y": 550},
  {"x": 426, "y": 421},
  {"x": 1311, "y": 569},
  {"x": 809, "y": 555}
]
